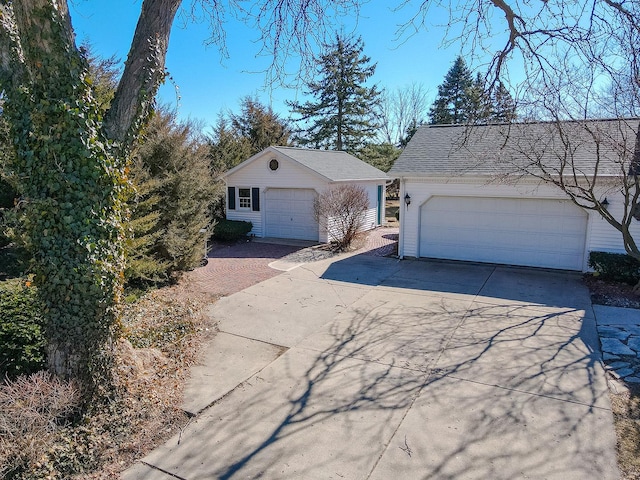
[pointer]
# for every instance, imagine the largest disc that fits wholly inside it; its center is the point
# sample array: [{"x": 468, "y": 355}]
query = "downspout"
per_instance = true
[{"x": 401, "y": 219}]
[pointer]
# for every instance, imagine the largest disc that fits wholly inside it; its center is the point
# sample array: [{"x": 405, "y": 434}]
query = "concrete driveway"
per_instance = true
[{"x": 374, "y": 368}]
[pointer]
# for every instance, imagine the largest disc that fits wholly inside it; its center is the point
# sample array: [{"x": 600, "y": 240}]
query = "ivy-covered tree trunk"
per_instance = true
[{"x": 71, "y": 169}]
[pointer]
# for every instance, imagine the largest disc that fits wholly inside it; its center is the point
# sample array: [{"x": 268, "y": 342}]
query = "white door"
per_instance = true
[
  {"x": 516, "y": 231},
  {"x": 289, "y": 213}
]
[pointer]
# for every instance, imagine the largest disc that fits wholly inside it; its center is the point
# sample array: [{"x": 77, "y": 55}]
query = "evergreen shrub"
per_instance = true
[
  {"x": 618, "y": 267},
  {"x": 22, "y": 343},
  {"x": 231, "y": 230}
]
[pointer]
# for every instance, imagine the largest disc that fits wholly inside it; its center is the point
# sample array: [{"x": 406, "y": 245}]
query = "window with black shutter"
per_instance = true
[{"x": 255, "y": 199}]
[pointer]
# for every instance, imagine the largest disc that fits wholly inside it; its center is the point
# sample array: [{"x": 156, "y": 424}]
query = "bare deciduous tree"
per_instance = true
[
  {"x": 400, "y": 110},
  {"x": 341, "y": 210},
  {"x": 590, "y": 160}
]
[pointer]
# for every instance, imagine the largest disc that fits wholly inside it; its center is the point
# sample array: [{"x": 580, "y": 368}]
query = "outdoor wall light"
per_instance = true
[
  {"x": 407, "y": 199},
  {"x": 605, "y": 203}
]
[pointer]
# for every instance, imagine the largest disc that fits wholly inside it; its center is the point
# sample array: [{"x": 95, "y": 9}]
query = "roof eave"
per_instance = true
[{"x": 246, "y": 163}]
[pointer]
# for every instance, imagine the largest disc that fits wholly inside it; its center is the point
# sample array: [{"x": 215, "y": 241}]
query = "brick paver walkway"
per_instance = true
[{"x": 232, "y": 268}]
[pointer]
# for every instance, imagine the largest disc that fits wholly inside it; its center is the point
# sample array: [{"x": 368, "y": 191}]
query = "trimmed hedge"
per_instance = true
[
  {"x": 231, "y": 230},
  {"x": 618, "y": 267},
  {"x": 22, "y": 343}
]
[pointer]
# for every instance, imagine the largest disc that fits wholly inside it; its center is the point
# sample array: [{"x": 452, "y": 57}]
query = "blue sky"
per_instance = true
[{"x": 208, "y": 83}]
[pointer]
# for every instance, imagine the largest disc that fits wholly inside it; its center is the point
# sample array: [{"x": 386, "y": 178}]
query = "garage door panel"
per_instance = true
[
  {"x": 289, "y": 213},
  {"x": 543, "y": 233}
]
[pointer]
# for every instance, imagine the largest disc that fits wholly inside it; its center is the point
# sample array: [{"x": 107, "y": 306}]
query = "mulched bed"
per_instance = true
[{"x": 613, "y": 294}]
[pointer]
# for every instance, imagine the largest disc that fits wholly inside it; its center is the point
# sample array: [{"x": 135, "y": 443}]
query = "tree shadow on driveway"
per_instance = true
[{"x": 411, "y": 384}]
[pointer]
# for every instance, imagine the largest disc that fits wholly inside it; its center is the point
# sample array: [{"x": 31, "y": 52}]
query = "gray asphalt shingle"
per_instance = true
[
  {"x": 335, "y": 165},
  {"x": 500, "y": 149}
]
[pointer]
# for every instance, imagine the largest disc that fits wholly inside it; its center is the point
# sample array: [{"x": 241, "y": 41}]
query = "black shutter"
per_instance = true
[
  {"x": 231, "y": 198},
  {"x": 255, "y": 199}
]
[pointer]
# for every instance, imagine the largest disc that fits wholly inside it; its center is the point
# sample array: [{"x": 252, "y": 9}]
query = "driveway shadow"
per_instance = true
[
  {"x": 520, "y": 284},
  {"x": 248, "y": 249},
  {"x": 382, "y": 400},
  {"x": 415, "y": 385}
]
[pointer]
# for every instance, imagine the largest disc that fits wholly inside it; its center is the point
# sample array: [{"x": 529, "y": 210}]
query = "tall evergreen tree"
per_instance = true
[
  {"x": 260, "y": 125},
  {"x": 226, "y": 147},
  {"x": 503, "y": 105},
  {"x": 343, "y": 114},
  {"x": 238, "y": 136},
  {"x": 480, "y": 102},
  {"x": 454, "y": 103},
  {"x": 464, "y": 99},
  {"x": 176, "y": 189}
]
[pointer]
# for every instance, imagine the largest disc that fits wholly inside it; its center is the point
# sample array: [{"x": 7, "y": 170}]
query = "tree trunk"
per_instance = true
[
  {"x": 73, "y": 177},
  {"x": 144, "y": 70}
]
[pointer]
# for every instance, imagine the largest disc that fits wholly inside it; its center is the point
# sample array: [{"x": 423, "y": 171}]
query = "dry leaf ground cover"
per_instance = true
[{"x": 43, "y": 437}]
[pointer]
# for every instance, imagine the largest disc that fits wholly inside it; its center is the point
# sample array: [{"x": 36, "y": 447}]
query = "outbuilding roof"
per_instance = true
[
  {"x": 335, "y": 166},
  {"x": 503, "y": 149}
]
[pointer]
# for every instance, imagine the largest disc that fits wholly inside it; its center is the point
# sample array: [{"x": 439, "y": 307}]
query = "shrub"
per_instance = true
[
  {"x": 231, "y": 230},
  {"x": 218, "y": 207},
  {"x": 342, "y": 209},
  {"x": 170, "y": 171},
  {"x": 22, "y": 344},
  {"x": 33, "y": 411},
  {"x": 619, "y": 267}
]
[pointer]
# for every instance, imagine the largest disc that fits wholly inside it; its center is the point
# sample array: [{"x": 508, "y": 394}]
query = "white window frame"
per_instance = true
[{"x": 244, "y": 202}]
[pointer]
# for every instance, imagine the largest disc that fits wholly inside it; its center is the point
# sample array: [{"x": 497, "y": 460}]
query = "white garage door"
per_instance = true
[
  {"x": 533, "y": 232},
  {"x": 289, "y": 213}
]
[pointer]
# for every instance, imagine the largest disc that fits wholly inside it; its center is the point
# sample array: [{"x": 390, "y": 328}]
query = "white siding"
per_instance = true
[
  {"x": 600, "y": 235},
  {"x": 605, "y": 238},
  {"x": 370, "y": 220},
  {"x": 421, "y": 190},
  {"x": 371, "y": 215},
  {"x": 289, "y": 175},
  {"x": 258, "y": 174},
  {"x": 519, "y": 231}
]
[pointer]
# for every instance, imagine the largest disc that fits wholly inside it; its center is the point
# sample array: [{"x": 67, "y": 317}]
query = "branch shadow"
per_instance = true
[{"x": 416, "y": 388}]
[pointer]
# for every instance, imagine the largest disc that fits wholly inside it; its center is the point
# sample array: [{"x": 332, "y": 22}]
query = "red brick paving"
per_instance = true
[
  {"x": 232, "y": 268},
  {"x": 381, "y": 242}
]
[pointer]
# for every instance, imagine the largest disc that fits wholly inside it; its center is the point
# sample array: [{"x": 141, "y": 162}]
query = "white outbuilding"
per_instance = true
[{"x": 275, "y": 190}]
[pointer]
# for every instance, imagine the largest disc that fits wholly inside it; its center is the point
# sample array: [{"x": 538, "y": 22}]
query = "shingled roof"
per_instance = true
[
  {"x": 503, "y": 149},
  {"x": 335, "y": 166}
]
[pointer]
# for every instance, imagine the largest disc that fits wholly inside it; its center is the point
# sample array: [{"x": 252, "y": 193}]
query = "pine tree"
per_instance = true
[
  {"x": 464, "y": 100},
  {"x": 454, "y": 103},
  {"x": 480, "y": 102},
  {"x": 412, "y": 128},
  {"x": 260, "y": 125},
  {"x": 503, "y": 105},
  {"x": 227, "y": 148},
  {"x": 144, "y": 229},
  {"x": 380, "y": 156},
  {"x": 342, "y": 116},
  {"x": 173, "y": 155}
]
